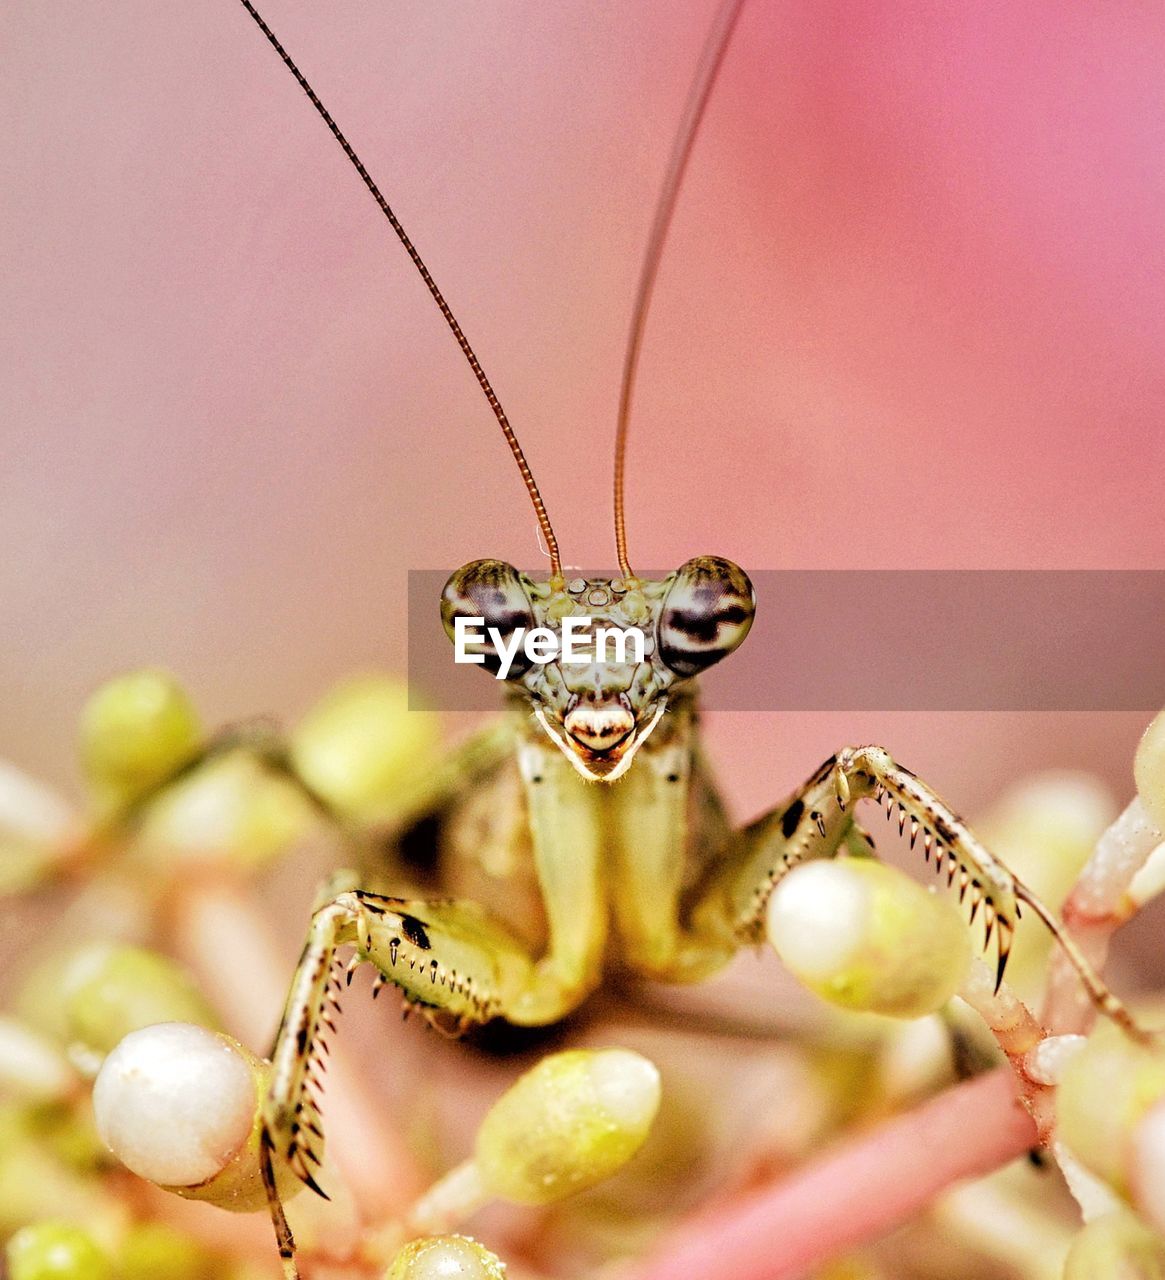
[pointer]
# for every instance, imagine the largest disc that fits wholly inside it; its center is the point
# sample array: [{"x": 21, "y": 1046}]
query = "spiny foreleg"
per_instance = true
[
  {"x": 447, "y": 958},
  {"x": 818, "y": 819}
]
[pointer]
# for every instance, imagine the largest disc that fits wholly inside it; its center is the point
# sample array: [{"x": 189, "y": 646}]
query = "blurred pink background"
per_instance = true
[{"x": 911, "y": 316}]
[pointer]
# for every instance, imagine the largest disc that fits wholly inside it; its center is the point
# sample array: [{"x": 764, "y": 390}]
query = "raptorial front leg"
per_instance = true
[
  {"x": 445, "y": 957},
  {"x": 818, "y": 819}
]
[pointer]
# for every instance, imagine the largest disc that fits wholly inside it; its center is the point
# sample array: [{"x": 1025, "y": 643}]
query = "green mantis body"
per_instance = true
[{"x": 567, "y": 862}]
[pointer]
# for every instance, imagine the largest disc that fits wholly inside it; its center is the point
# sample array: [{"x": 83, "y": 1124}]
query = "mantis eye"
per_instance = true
[
  {"x": 493, "y": 591},
  {"x": 706, "y": 614}
]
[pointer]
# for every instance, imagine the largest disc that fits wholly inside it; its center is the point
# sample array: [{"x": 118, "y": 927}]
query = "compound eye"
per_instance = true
[
  {"x": 493, "y": 591},
  {"x": 705, "y": 615}
]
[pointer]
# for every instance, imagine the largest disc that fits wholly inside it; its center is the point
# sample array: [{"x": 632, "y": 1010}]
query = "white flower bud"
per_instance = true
[
  {"x": 446, "y": 1258},
  {"x": 36, "y": 830},
  {"x": 175, "y": 1103},
  {"x": 865, "y": 936}
]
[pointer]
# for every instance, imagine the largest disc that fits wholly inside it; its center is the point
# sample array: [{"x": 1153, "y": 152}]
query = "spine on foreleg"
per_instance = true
[
  {"x": 443, "y": 955},
  {"x": 980, "y": 875},
  {"x": 292, "y": 1118}
]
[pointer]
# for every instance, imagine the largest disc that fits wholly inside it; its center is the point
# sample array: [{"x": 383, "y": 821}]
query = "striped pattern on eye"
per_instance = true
[
  {"x": 707, "y": 613},
  {"x": 492, "y": 590}
]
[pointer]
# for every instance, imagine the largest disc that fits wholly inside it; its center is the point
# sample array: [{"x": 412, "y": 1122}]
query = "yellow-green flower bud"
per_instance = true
[
  {"x": 1116, "y": 1247},
  {"x": 55, "y": 1251},
  {"x": 90, "y": 998},
  {"x": 446, "y": 1258},
  {"x": 1105, "y": 1091},
  {"x": 136, "y": 730},
  {"x": 1149, "y": 771},
  {"x": 154, "y": 1251},
  {"x": 568, "y": 1123},
  {"x": 364, "y": 751},
  {"x": 181, "y": 1107},
  {"x": 865, "y": 936},
  {"x": 48, "y": 1159}
]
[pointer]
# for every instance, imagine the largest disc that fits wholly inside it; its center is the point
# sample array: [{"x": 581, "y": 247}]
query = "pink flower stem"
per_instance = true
[
  {"x": 1096, "y": 908},
  {"x": 857, "y": 1193}
]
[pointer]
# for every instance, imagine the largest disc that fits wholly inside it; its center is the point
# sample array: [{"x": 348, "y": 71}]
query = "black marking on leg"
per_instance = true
[
  {"x": 945, "y": 832},
  {"x": 414, "y": 932},
  {"x": 823, "y": 773},
  {"x": 792, "y": 817}
]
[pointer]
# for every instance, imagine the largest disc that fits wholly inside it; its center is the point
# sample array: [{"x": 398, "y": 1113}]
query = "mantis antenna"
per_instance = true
[
  {"x": 711, "y": 59},
  {"x": 438, "y": 297}
]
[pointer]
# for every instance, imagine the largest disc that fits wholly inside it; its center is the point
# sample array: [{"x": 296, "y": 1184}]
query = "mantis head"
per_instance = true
[{"x": 598, "y": 696}]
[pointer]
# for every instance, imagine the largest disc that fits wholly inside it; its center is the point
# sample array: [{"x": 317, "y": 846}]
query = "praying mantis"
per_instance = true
[
  {"x": 596, "y": 785},
  {"x": 618, "y": 817}
]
